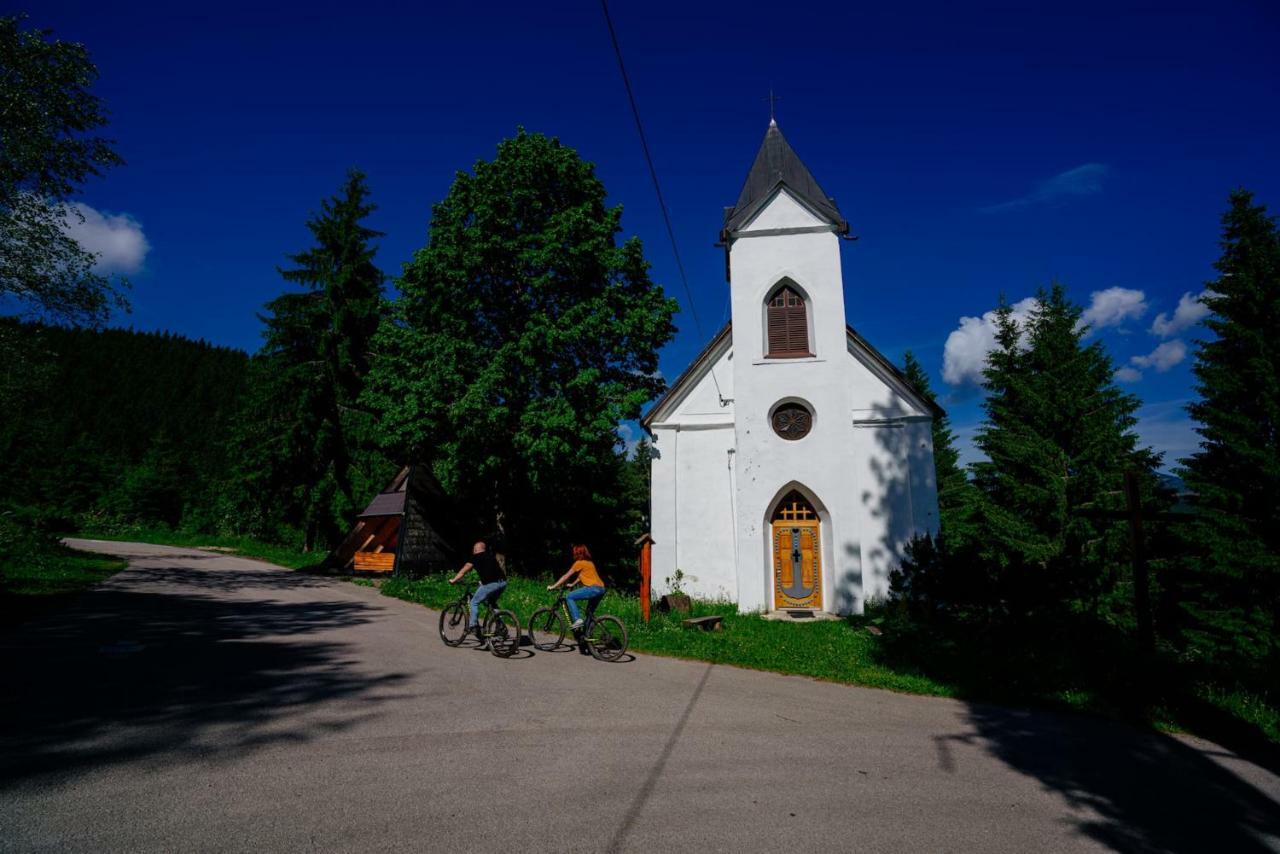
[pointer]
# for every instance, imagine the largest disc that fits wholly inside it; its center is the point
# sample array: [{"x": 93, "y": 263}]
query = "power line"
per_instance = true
[{"x": 657, "y": 187}]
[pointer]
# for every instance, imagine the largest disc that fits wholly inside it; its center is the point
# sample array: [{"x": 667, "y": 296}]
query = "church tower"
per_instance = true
[{"x": 791, "y": 397}]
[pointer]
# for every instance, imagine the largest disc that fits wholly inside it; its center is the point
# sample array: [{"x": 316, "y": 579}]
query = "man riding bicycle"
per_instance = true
[{"x": 492, "y": 582}]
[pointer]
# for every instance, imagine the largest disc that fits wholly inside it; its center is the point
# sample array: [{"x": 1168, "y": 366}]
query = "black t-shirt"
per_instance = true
[{"x": 487, "y": 568}]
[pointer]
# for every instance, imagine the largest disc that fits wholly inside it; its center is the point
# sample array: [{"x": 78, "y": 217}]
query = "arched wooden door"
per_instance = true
[{"x": 797, "y": 554}]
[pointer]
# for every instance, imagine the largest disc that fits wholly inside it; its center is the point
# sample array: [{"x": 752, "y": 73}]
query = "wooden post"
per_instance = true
[
  {"x": 645, "y": 542},
  {"x": 1141, "y": 586}
]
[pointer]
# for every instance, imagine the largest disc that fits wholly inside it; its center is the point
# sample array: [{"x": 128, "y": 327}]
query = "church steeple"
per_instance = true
[{"x": 777, "y": 164}]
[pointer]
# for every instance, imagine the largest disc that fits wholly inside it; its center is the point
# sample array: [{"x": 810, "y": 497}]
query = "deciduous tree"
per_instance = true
[
  {"x": 49, "y": 146},
  {"x": 525, "y": 332}
]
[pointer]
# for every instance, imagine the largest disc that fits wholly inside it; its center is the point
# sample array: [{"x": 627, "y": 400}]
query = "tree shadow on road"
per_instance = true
[
  {"x": 1130, "y": 790},
  {"x": 133, "y": 672}
]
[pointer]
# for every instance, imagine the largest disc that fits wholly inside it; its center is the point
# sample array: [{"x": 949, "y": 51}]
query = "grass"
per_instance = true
[
  {"x": 281, "y": 555},
  {"x": 45, "y": 577},
  {"x": 838, "y": 651}
]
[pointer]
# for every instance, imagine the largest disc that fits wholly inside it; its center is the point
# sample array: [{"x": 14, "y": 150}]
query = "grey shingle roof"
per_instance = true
[
  {"x": 385, "y": 504},
  {"x": 777, "y": 164}
]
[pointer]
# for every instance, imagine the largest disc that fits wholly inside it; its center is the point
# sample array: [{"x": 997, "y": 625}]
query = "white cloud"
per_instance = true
[
  {"x": 1113, "y": 307},
  {"x": 1164, "y": 357},
  {"x": 1190, "y": 311},
  {"x": 1128, "y": 375},
  {"x": 1084, "y": 180},
  {"x": 965, "y": 354},
  {"x": 116, "y": 239}
]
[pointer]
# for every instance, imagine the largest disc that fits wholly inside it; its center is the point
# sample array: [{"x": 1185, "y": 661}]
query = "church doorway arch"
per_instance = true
[{"x": 796, "y": 548}]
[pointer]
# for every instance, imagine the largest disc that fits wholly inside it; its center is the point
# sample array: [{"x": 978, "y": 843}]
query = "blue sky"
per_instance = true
[{"x": 975, "y": 151}]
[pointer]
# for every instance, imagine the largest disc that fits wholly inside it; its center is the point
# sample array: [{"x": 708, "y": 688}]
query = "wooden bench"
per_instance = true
[
  {"x": 714, "y": 623},
  {"x": 375, "y": 561}
]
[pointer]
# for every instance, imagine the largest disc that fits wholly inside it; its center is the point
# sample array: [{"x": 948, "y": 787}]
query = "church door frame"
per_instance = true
[{"x": 796, "y": 575}]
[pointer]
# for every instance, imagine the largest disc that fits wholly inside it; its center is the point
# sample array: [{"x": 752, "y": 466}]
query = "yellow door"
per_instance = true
[{"x": 797, "y": 550}]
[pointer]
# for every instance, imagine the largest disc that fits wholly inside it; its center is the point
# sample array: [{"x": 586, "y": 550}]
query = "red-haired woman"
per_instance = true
[{"x": 592, "y": 589}]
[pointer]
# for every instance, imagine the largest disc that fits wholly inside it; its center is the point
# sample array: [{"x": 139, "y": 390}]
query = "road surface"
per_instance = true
[{"x": 201, "y": 702}]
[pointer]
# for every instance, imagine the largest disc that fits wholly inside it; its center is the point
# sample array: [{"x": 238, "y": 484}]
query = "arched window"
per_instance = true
[{"x": 787, "y": 325}]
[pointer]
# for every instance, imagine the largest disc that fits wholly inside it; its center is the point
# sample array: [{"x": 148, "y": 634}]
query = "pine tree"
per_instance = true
[
  {"x": 955, "y": 493},
  {"x": 1233, "y": 582},
  {"x": 312, "y": 370},
  {"x": 1058, "y": 439}
]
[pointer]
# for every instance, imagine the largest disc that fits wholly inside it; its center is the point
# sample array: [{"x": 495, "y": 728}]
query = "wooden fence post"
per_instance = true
[{"x": 646, "y": 571}]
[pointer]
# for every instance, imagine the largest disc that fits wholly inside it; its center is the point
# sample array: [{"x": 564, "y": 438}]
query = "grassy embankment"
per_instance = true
[{"x": 38, "y": 574}]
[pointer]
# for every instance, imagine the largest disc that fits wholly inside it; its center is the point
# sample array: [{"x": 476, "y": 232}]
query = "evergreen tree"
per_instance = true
[
  {"x": 524, "y": 334},
  {"x": 309, "y": 445},
  {"x": 1232, "y": 593},
  {"x": 955, "y": 493},
  {"x": 1058, "y": 439}
]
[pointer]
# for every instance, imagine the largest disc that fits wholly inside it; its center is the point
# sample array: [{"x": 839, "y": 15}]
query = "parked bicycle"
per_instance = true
[
  {"x": 603, "y": 636},
  {"x": 499, "y": 630}
]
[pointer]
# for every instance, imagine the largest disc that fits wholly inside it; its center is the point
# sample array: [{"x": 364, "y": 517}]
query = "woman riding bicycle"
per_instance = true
[
  {"x": 492, "y": 582},
  {"x": 592, "y": 589}
]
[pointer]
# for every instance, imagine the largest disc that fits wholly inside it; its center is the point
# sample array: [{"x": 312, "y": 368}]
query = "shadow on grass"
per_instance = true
[
  {"x": 134, "y": 672},
  {"x": 1136, "y": 789}
]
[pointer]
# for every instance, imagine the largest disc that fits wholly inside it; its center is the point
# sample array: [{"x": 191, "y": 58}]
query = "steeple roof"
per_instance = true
[{"x": 777, "y": 164}]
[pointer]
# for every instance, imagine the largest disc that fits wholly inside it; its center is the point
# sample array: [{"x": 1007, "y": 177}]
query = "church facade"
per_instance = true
[{"x": 792, "y": 462}]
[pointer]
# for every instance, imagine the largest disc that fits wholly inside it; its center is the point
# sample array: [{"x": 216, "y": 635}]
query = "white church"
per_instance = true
[{"x": 792, "y": 461}]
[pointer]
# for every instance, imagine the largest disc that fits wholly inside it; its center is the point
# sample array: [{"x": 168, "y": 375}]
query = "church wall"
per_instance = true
[{"x": 692, "y": 517}]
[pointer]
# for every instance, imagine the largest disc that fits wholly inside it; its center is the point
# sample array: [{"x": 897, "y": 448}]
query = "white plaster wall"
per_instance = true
[
  {"x": 691, "y": 496},
  {"x": 692, "y": 510}
]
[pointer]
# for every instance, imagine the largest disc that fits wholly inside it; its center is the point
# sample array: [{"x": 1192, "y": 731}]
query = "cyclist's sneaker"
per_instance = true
[{"x": 577, "y": 624}]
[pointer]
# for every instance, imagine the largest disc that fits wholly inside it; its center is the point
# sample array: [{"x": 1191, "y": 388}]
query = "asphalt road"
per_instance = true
[{"x": 198, "y": 702}]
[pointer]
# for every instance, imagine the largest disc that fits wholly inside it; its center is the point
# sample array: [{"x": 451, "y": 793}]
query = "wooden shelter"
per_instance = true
[{"x": 401, "y": 529}]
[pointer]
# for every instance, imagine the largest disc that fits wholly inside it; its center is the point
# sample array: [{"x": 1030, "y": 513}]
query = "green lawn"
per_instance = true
[
  {"x": 46, "y": 576},
  {"x": 839, "y": 651},
  {"x": 281, "y": 555}
]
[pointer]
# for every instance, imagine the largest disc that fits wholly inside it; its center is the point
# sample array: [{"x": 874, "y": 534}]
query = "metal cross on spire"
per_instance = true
[{"x": 773, "y": 122}]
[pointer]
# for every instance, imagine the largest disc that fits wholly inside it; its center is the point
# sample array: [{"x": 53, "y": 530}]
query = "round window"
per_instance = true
[{"x": 792, "y": 421}]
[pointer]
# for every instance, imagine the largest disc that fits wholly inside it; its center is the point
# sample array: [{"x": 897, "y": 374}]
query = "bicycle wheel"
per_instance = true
[
  {"x": 546, "y": 629},
  {"x": 503, "y": 630},
  {"x": 607, "y": 639},
  {"x": 453, "y": 624}
]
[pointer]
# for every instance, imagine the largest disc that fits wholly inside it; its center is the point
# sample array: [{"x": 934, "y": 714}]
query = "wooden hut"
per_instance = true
[{"x": 407, "y": 528}]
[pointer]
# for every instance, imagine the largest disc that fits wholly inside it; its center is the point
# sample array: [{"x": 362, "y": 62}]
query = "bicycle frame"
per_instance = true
[{"x": 562, "y": 603}]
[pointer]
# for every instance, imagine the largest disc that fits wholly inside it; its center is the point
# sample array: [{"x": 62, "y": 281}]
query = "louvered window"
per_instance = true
[{"x": 787, "y": 325}]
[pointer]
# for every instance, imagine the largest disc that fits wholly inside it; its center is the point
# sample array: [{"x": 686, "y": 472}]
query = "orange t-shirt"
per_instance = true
[{"x": 587, "y": 574}]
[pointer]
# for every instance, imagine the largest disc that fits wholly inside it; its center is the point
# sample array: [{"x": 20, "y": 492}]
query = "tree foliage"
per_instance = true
[
  {"x": 955, "y": 493},
  {"x": 307, "y": 446},
  {"x": 49, "y": 146},
  {"x": 114, "y": 423},
  {"x": 1058, "y": 438},
  {"x": 1231, "y": 584},
  {"x": 524, "y": 334}
]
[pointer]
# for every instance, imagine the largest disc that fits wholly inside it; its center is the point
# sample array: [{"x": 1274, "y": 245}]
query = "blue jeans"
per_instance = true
[
  {"x": 485, "y": 593},
  {"x": 594, "y": 593}
]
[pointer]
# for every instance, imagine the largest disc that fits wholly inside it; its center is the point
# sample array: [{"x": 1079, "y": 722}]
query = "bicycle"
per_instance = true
[
  {"x": 604, "y": 636},
  {"x": 500, "y": 629}
]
